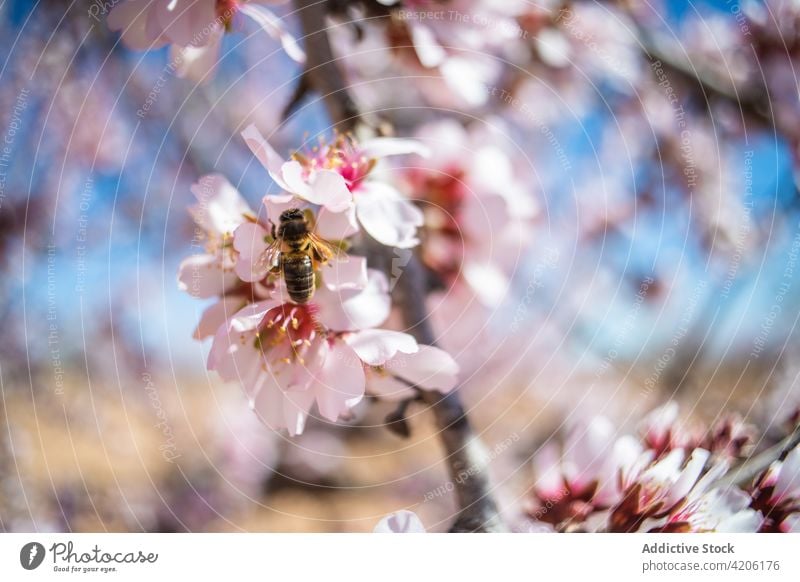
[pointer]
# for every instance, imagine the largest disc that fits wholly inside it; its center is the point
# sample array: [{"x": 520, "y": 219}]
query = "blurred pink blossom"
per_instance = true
[{"x": 194, "y": 29}]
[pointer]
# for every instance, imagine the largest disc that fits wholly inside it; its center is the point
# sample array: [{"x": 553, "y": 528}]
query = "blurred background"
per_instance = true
[{"x": 659, "y": 141}]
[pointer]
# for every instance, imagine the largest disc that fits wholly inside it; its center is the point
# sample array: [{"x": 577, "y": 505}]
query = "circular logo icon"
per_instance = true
[{"x": 31, "y": 555}]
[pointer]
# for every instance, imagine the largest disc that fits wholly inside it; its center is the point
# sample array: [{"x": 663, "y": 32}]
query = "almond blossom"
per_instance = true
[
  {"x": 777, "y": 494},
  {"x": 622, "y": 485},
  {"x": 479, "y": 206},
  {"x": 194, "y": 29},
  {"x": 219, "y": 210},
  {"x": 334, "y": 176},
  {"x": 289, "y": 357}
]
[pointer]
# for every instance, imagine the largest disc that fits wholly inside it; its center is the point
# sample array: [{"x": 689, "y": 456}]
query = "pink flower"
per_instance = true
[
  {"x": 220, "y": 209},
  {"x": 715, "y": 511},
  {"x": 193, "y": 29},
  {"x": 289, "y": 357},
  {"x": 478, "y": 207},
  {"x": 334, "y": 176},
  {"x": 402, "y": 521},
  {"x": 777, "y": 494}
]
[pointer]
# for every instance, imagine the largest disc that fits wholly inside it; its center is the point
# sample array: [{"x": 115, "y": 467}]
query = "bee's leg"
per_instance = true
[{"x": 274, "y": 233}]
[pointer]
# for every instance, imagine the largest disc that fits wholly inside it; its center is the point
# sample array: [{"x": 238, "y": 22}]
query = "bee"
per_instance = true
[{"x": 296, "y": 252}]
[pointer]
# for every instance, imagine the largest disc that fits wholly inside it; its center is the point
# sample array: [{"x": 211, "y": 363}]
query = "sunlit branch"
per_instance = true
[{"x": 465, "y": 455}]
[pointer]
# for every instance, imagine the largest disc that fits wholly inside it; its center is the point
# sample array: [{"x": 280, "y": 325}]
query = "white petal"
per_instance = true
[
  {"x": 295, "y": 410},
  {"x": 131, "y": 19},
  {"x": 380, "y": 147},
  {"x": 376, "y": 346},
  {"x": 273, "y": 26},
  {"x": 197, "y": 63},
  {"x": 788, "y": 481},
  {"x": 349, "y": 310},
  {"x": 277, "y": 204},
  {"x": 336, "y": 225},
  {"x": 203, "y": 276},
  {"x": 429, "y": 51},
  {"x": 345, "y": 274},
  {"x": 249, "y": 241},
  {"x": 267, "y": 403},
  {"x": 387, "y": 387},
  {"x": 184, "y": 22},
  {"x": 488, "y": 282},
  {"x": 387, "y": 216},
  {"x": 429, "y": 368},
  {"x": 340, "y": 383},
  {"x": 330, "y": 190},
  {"x": 220, "y": 208},
  {"x": 268, "y": 157},
  {"x": 400, "y": 522},
  {"x": 247, "y": 318},
  {"x": 216, "y": 315},
  {"x": 688, "y": 477},
  {"x": 466, "y": 78}
]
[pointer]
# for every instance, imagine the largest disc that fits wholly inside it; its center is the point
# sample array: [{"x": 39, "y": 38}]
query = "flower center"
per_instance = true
[
  {"x": 342, "y": 156},
  {"x": 290, "y": 327}
]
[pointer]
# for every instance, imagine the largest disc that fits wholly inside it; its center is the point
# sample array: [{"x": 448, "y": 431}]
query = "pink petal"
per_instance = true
[
  {"x": 277, "y": 204},
  {"x": 268, "y": 157},
  {"x": 216, "y": 315},
  {"x": 267, "y": 402},
  {"x": 488, "y": 282},
  {"x": 203, "y": 276},
  {"x": 131, "y": 19},
  {"x": 273, "y": 26},
  {"x": 430, "y": 368},
  {"x": 345, "y": 274},
  {"x": 466, "y": 78},
  {"x": 220, "y": 208},
  {"x": 249, "y": 241},
  {"x": 248, "y": 318},
  {"x": 197, "y": 63},
  {"x": 387, "y": 387},
  {"x": 788, "y": 481},
  {"x": 186, "y": 22},
  {"x": 295, "y": 410},
  {"x": 380, "y": 147},
  {"x": 349, "y": 310},
  {"x": 688, "y": 477},
  {"x": 376, "y": 346},
  {"x": 387, "y": 216},
  {"x": 330, "y": 190},
  {"x": 336, "y": 225},
  {"x": 340, "y": 382},
  {"x": 429, "y": 51},
  {"x": 400, "y": 522}
]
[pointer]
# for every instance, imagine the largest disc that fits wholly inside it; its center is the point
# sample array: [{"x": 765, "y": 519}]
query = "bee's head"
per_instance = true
[{"x": 292, "y": 214}]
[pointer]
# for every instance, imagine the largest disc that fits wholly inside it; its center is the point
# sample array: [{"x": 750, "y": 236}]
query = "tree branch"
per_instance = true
[
  {"x": 466, "y": 459},
  {"x": 321, "y": 72},
  {"x": 744, "y": 474}
]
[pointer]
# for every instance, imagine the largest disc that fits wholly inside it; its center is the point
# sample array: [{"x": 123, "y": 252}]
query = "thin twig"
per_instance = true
[
  {"x": 466, "y": 457},
  {"x": 321, "y": 71},
  {"x": 749, "y": 469}
]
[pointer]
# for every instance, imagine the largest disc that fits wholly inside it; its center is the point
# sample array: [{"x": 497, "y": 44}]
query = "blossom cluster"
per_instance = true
[
  {"x": 329, "y": 350},
  {"x": 668, "y": 478},
  {"x": 193, "y": 29}
]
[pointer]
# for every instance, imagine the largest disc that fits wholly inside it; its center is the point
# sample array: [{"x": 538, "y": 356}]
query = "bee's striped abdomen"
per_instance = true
[{"x": 298, "y": 272}]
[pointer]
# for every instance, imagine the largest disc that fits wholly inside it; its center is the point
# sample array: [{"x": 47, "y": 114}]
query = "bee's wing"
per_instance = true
[
  {"x": 324, "y": 251},
  {"x": 270, "y": 258}
]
